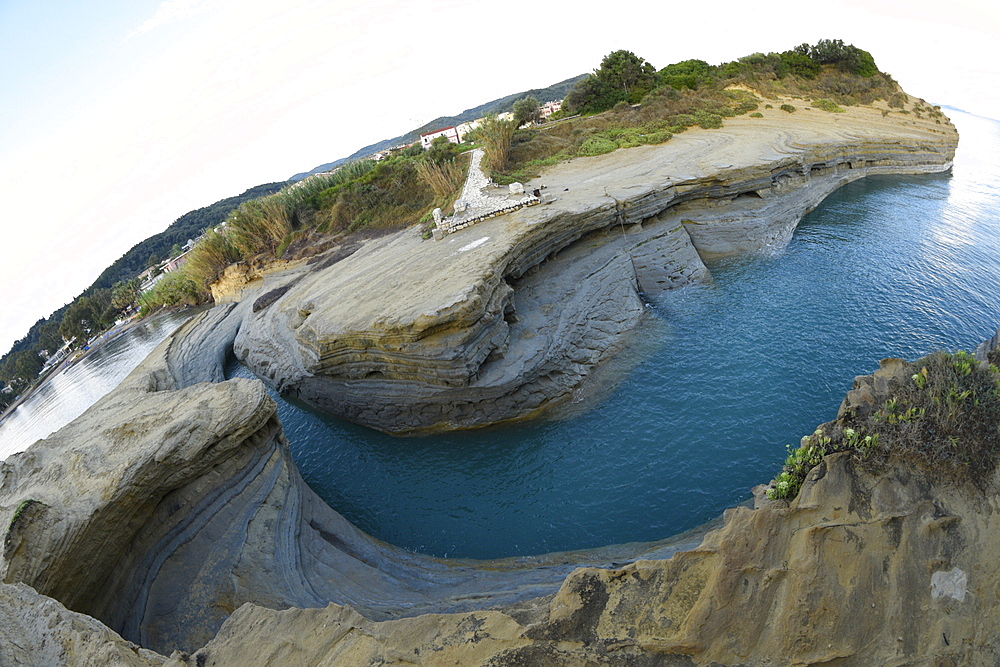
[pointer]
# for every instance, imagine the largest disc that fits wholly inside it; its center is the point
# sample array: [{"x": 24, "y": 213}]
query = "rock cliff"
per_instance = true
[
  {"x": 505, "y": 319},
  {"x": 858, "y": 570},
  {"x": 174, "y": 500},
  {"x": 170, "y": 515}
]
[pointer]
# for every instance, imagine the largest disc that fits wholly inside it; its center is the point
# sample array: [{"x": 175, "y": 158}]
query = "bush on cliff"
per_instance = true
[
  {"x": 942, "y": 414},
  {"x": 692, "y": 92}
]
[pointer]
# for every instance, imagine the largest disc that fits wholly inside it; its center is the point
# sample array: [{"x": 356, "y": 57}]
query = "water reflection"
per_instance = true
[{"x": 67, "y": 395}]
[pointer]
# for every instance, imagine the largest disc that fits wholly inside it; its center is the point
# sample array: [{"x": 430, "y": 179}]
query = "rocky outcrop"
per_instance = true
[
  {"x": 506, "y": 318},
  {"x": 38, "y": 631},
  {"x": 171, "y": 516},
  {"x": 174, "y": 500},
  {"x": 166, "y": 521},
  {"x": 858, "y": 570}
]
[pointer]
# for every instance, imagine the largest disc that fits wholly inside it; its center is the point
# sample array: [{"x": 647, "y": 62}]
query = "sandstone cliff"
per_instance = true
[
  {"x": 890, "y": 564},
  {"x": 171, "y": 514},
  {"x": 174, "y": 500},
  {"x": 859, "y": 570},
  {"x": 505, "y": 319}
]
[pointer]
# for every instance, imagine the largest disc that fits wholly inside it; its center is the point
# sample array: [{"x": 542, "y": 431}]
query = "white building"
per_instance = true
[
  {"x": 450, "y": 133},
  {"x": 465, "y": 128}
]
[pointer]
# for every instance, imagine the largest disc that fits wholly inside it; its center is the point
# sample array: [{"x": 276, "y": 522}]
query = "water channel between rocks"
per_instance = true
[
  {"x": 735, "y": 371},
  {"x": 730, "y": 374}
]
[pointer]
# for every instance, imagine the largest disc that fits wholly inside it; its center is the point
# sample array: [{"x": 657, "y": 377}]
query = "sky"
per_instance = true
[{"x": 119, "y": 116}]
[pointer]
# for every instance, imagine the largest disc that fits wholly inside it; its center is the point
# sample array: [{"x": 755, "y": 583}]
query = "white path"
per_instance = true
[{"x": 479, "y": 204}]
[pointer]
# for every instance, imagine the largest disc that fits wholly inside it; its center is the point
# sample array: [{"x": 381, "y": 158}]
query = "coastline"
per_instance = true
[{"x": 214, "y": 450}]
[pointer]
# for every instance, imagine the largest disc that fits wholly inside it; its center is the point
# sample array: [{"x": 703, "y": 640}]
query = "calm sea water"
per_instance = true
[
  {"x": 68, "y": 394},
  {"x": 888, "y": 266}
]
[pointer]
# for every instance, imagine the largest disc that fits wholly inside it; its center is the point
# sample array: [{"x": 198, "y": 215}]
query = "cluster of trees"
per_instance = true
[{"x": 624, "y": 77}]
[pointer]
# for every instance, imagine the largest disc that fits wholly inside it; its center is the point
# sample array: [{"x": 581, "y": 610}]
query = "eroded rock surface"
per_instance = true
[
  {"x": 174, "y": 500},
  {"x": 37, "y": 631},
  {"x": 859, "y": 570},
  {"x": 411, "y": 336}
]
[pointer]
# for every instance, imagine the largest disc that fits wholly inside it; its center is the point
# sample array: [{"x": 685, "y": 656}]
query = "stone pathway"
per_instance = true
[{"x": 476, "y": 204}]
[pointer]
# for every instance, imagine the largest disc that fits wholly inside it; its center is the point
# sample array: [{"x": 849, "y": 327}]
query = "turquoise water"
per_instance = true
[{"x": 887, "y": 266}]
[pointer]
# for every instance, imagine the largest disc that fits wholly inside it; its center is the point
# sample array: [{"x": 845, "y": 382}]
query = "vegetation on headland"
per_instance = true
[
  {"x": 628, "y": 102},
  {"x": 364, "y": 197},
  {"x": 110, "y": 296},
  {"x": 944, "y": 417}
]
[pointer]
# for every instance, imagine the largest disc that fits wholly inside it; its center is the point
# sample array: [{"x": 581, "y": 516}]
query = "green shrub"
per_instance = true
[
  {"x": 787, "y": 107},
  {"x": 942, "y": 415},
  {"x": 707, "y": 120},
  {"x": 827, "y": 105},
  {"x": 658, "y": 137},
  {"x": 596, "y": 146},
  {"x": 756, "y": 114}
]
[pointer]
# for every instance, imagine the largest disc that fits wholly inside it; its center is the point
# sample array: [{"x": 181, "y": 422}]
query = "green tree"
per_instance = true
[
  {"x": 625, "y": 71},
  {"x": 798, "y": 63},
  {"x": 846, "y": 57},
  {"x": 125, "y": 294},
  {"x": 622, "y": 77},
  {"x": 24, "y": 367},
  {"x": 525, "y": 109},
  {"x": 79, "y": 321},
  {"x": 686, "y": 74}
]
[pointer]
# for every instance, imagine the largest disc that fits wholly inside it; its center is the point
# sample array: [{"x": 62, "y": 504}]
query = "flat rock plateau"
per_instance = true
[{"x": 169, "y": 525}]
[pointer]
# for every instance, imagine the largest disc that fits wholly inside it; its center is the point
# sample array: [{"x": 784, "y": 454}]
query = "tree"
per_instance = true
[
  {"x": 686, "y": 74},
  {"x": 846, "y": 57},
  {"x": 800, "y": 64},
  {"x": 22, "y": 368},
  {"x": 622, "y": 77},
  {"x": 79, "y": 321},
  {"x": 125, "y": 294},
  {"x": 625, "y": 71},
  {"x": 524, "y": 110}
]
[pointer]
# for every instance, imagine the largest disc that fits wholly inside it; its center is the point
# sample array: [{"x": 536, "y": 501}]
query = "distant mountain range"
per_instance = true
[{"x": 556, "y": 91}]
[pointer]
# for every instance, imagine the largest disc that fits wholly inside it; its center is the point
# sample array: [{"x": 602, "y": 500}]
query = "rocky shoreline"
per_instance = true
[
  {"x": 170, "y": 516},
  {"x": 501, "y": 321}
]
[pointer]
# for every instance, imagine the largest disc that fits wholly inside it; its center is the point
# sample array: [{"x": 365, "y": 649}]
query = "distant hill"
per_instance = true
[
  {"x": 556, "y": 91},
  {"x": 132, "y": 263},
  {"x": 188, "y": 226}
]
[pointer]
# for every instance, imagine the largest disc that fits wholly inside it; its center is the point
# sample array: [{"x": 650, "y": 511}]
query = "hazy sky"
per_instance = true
[{"x": 118, "y": 116}]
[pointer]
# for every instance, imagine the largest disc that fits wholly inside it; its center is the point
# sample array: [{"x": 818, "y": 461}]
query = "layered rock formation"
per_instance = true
[
  {"x": 174, "y": 500},
  {"x": 858, "y": 570},
  {"x": 506, "y": 318},
  {"x": 885, "y": 565},
  {"x": 172, "y": 508}
]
